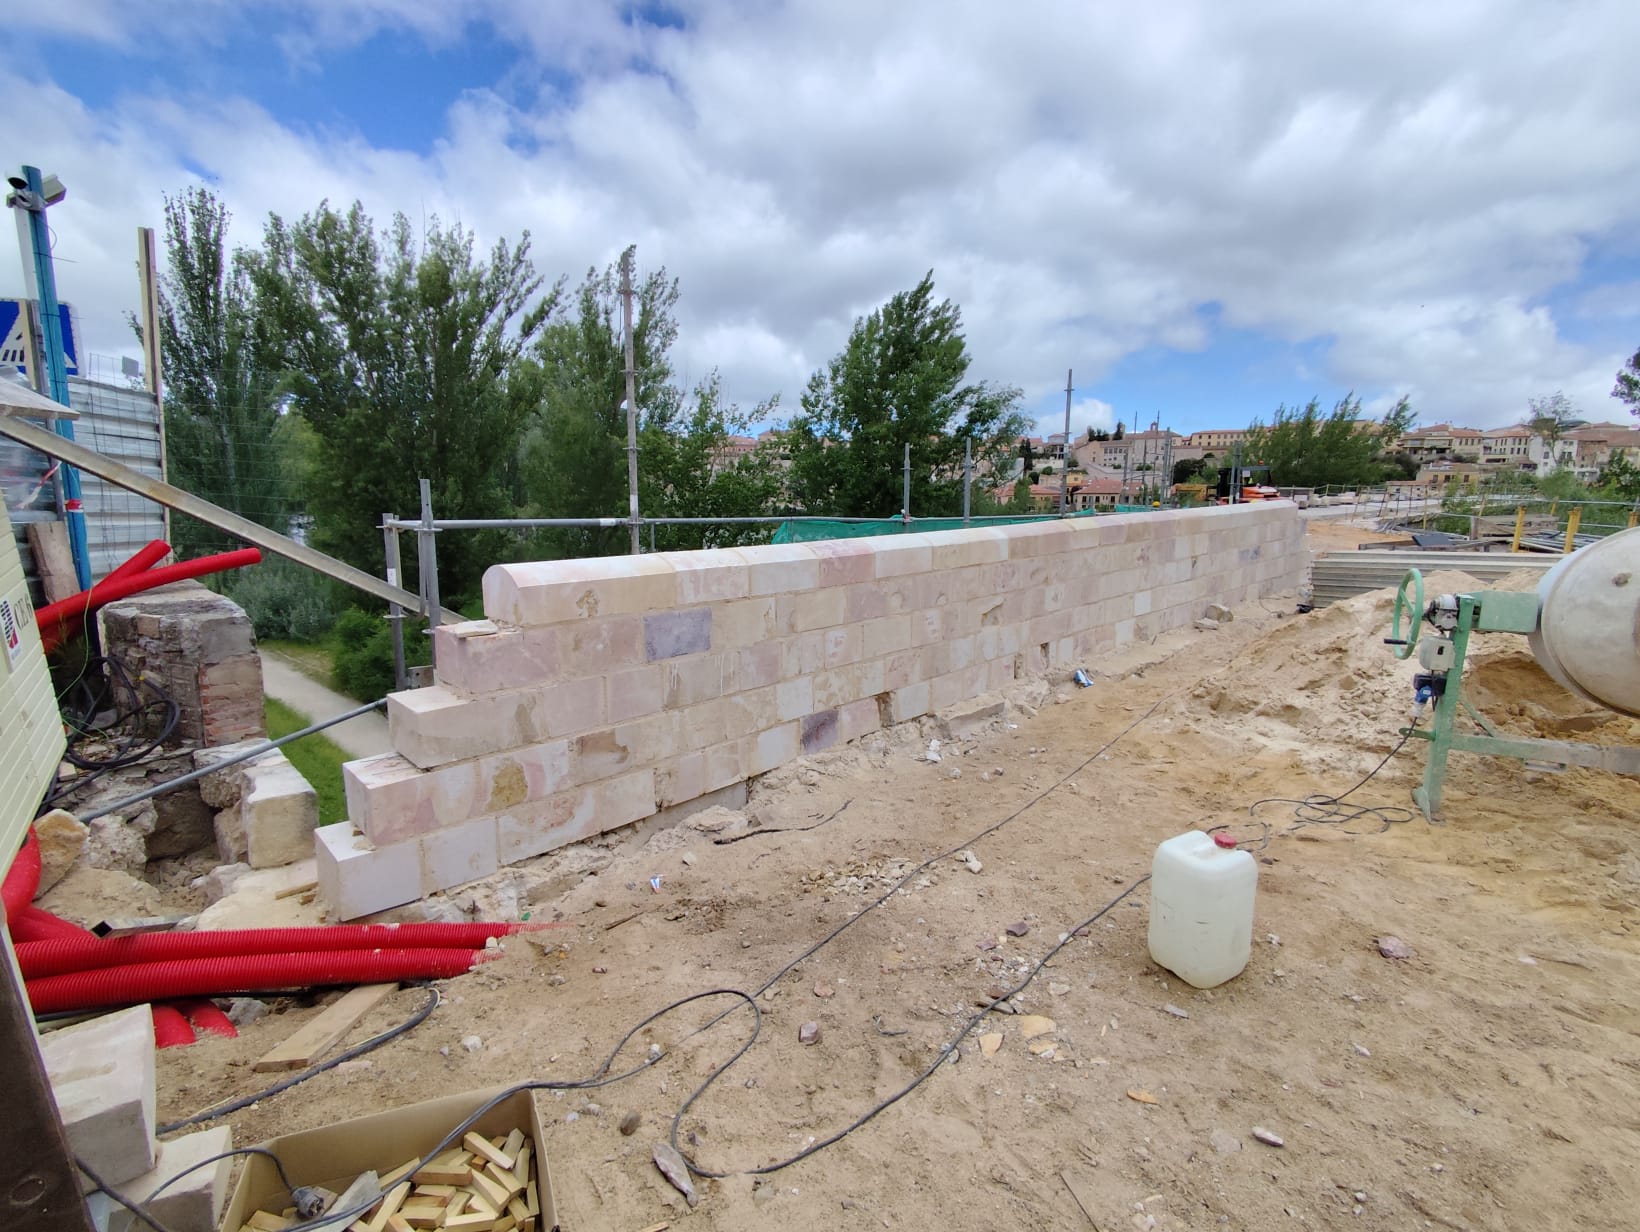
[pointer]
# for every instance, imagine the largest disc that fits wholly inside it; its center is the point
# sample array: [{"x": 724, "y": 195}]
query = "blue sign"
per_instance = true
[{"x": 14, "y": 347}]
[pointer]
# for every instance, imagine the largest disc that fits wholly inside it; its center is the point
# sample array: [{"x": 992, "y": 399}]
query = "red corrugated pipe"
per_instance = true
[
  {"x": 36, "y": 927},
  {"x": 171, "y": 1029},
  {"x": 149, "y": 555},
  {"x": 206, "y": 1017},
  {"x": 59, "y": 622},
  {"x": 22, "y": 879},
  {"x": 212, "y": 977},
  {"x": 41, "y": 959}
]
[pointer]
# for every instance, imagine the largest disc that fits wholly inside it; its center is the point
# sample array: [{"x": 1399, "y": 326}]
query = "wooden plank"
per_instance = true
[
  {"x": 53, "y": 560},
  {"x": 312, "y": 1041}
]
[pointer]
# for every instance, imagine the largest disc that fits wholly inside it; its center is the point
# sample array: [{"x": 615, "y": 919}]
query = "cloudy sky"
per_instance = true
[{"x": 1205, "y": 209}]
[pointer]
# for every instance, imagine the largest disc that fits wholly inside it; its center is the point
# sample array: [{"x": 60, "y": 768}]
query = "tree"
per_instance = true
[
  {"x": 222, "y": 408},
  {"x": 1548, "y": 418},
  {"x": 1627, "y": 389},
  {"x": 900, "y": 380},
  {"x": 401, "y": 353},
  {"x": 574, "y": 454},
  {"x": 1026, "y": 453},
  {"x": 1120, "y": 431},
  {"x": 1188, "y": 470},
  {"x": 1620, "y": 477},
  {"x": 1019, "y": 500},
  {"x": 1097, "y": 434},
  {"x": 1306, "y": 447}
]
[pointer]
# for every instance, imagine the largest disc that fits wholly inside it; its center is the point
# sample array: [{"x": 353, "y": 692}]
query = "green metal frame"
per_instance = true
[{"x": 1490, "y": 612}]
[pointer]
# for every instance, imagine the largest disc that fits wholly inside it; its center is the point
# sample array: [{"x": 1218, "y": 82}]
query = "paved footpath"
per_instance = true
[{"x": 364, "y": 736}]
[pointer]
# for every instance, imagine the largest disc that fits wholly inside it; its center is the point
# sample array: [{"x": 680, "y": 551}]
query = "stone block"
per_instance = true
[
  {"x": 803, "y": 654},
  {"x": 667, "y": 635},
  {"x": 899, "y": 555},
  {"x": 437, "y": 726},
  {"x": 775, "y": 747},
  {"x": 867, "y": 602},
  {"x": 391, "y": 800},
  {"x": 63, "y": 839},
  {"x": 845, "y": 562},
  {"x": 455, "y": 855},
  {"x": 812, "y": 609},
  {"x": 357, "y": 878},
  {"x": 843, "y": 646},
  {"x": 607, "y": 644},
  {"x": 102, "y": 1078},
  {"x": 884, "y": 635},
  {"x": 747, "y": 623},
  {"x": 781, "y": 568},
  {"x": 820, "y": 730},
  {"x": 221, "y": 790},
  {"x": 230, "y": 837},
  {"x": 278, "y": 812},
  {"x": 478, "y": 656},
  {"x": 715, "y": 575},
  {"x": 636, "y": 692},
  {"x": 193, "y": 1196},
  {"x": 750, "y": 711},
  {"x": 793, "y": 698},
  {"x": 910, "y": 702},
  {"x": 755, "y": 667},
  {"x": 574, "y": 815},
  {"x": 551, "y": 591},
  {"x": 858, "y": 719},
  {"x": 696, "y": 727},
  {"x": 958, "y": 549},
  {"x": 694, "y": 680}
]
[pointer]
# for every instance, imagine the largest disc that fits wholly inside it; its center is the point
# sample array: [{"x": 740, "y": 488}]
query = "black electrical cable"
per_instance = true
[
  {"x": 101, "y": 1186},
  {"x": 1325, "y": 810},
  {"x": 358, "y": 1050},
  {"x": 139, "y": 1209},
  {"x": 143, "y": 717}
]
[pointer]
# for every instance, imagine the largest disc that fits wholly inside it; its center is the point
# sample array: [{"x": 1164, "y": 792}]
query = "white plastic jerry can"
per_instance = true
[{"x": 1201, "y": 907}]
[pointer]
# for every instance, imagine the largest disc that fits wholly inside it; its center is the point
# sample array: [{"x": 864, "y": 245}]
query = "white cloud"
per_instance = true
[{"x": 1408, "y": 182}]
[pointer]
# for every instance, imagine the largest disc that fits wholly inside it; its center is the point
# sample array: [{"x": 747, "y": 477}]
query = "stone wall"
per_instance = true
[
  {"x": 200, "y": 648},
  {"x": 601, "y": 691}
]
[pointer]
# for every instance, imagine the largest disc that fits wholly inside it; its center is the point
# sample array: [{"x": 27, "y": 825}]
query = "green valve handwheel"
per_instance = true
[{"x": 1406, "y": 642}]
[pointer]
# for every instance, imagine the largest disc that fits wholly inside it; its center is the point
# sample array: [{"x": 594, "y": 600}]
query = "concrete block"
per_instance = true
[
  {"x": 812, "y": 609},
  {"x": 775, "y": 747},
  {"x": 455, "y": 855},
  {"x": 357, "y": 878},
  {"x": 489, "y": 659},
  {"x": 715, "y": 575},
  {"x": 194, "y": 1202},
  {"x": 667, "y": 635},
  {"x": 636, "y": 692},
  {"x": 781, "y": 568},
  {"x": 551, "y": 591},
  {"x": 102, "y": 1077},
  {"x": 278, "y": 812}
]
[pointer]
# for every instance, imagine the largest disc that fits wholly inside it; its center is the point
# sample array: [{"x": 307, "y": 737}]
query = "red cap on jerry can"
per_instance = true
[{"x": 1224, "y": 839}]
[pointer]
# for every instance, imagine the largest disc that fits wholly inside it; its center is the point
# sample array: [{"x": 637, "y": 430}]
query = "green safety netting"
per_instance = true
[{"x": 809, "y": 532}]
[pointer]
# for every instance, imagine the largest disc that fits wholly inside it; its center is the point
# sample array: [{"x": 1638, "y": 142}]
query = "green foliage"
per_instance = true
[
  {"x": 283, "y": 599},
  {"x": 317, "y": 758},
  {"x": 574, "y": 454},
  {"x": 1548, "y": 418},
  {"x": 1627, "y": 388},
  {"x": 1620, "y": 477},
  {"x": 900, "y": 380},
  {"x": 1306, "y": 447},
  {"x": 399, "y": 352},
  {"x": 362, "y": 653},
  {"x": 222, "y": 418},
  {"x": 1189, "y": 470}
]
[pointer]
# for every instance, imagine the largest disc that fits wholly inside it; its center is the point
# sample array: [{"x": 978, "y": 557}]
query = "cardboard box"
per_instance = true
[{"x": 335, "y": 1155}]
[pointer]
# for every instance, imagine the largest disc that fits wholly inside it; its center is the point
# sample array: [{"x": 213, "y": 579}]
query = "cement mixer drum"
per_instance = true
[{"x": 1588, "y": 635}]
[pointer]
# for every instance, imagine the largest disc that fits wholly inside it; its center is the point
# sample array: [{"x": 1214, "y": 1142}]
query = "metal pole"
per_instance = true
[
  {"x": 631, "y": 402},
  {"x": 153, "y": 366},
  {"x": 42, "y": 1186},
  {"x": 967, "y": 477},
  {"x": 428, "y": 555},
  {"x": 1065, "y": 456},
  {"x": 40, "y": 283},
  {"x": 395, "y": 613},
  {"x": 905, "y": 507}
]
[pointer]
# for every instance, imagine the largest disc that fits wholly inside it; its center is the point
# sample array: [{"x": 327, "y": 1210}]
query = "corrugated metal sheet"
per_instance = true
[
  {"x": 121, "y": 423},
  {"x": 1340, "y": 575}
]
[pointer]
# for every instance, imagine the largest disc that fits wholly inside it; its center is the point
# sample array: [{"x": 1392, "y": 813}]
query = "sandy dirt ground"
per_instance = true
[{"x": 1491, "y": 1080}]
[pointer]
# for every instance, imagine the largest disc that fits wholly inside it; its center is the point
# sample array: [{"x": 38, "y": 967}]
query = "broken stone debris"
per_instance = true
[
  {"x": 808, "y": 1034},
  {"x": 63, "y": 839},
  {"x": 673, "y": 1168},
  {"x": 1394, "y": 947}
]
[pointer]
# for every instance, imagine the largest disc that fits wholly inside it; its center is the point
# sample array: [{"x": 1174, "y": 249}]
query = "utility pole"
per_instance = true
[
  {"x": 1065, "y": 457},
  {"x": 967, "y": 476},
  {"x": 29, "y": 197},
  {"x": 153, "y": 373},
  {"x": 631, "y": 401},
  {"x": 905, "y": 508}
]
